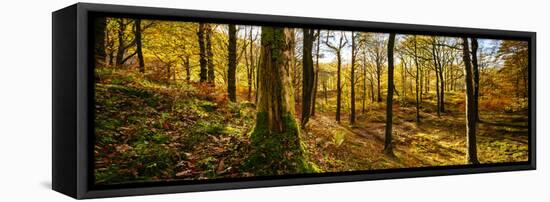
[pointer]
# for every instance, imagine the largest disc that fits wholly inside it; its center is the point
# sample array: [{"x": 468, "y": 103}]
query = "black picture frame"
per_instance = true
[{"x": 72, "y": 100}]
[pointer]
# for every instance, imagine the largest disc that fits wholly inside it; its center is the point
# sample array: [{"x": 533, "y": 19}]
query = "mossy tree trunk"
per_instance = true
[
  {"x": 275, "y": 141},
  {"x": 471, "y": 123},
  {"x": 232, "y": 63},
  {"x": 388, "y": 147}
]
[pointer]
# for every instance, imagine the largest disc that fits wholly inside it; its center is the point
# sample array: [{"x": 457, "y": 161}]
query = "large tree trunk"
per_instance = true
[
  {"x": 99, "y": 41},
  {"x": 388, "y": 147},
  {"x": 352, "y": 80},
  {"x": 471, "y": 123},
  {"x": 475, "y": 67},
  {"x": 307, "y": 75},
  {"x": 232, "y": 63},
  {"x": 210, "y": 55},
  {"x": 138, "y": 45},
  {"x": 275, "y": 140},
  {"x": 202, "y": 52}
]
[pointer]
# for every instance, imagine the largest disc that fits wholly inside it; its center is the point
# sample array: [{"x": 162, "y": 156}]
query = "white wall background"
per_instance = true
[{"x": 25, "y": 99}]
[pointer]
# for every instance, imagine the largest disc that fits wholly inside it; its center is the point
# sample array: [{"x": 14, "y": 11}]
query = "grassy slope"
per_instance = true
[{"x": 147, "y": 131}]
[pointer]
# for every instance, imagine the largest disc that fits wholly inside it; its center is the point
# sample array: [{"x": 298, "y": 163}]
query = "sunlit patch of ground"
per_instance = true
[{"x": 435, "y": 141}]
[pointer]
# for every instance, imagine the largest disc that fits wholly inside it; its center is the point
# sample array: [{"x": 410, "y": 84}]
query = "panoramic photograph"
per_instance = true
[{"x": 188, "y": 101}]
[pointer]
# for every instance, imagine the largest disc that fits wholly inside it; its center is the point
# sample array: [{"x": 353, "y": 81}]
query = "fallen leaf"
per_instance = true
[
  {"x": 220, "y": 167},
  {"x": 183, "y": 173}
]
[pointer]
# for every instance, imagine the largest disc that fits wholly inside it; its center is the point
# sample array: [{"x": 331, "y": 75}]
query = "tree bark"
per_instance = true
[
  {"x": 202, "y": 52},
  {"x": 187, "y": 65},
  {"x": 250, "y": 65},
  {"x": 352, "y": 80},
  {"x": 388, "y": 147},
  {"x": 364, "y": 81},
  {"x": 275, "y": 140},
  {"x": 316, "y": 79},
  {"x": 338, "y": 86},
  {"x": 121, "y": 49},
  {"x": 475, "y": 67},
  {"x": 436, "y": 68},
  {"x": 471, "y": 123},
  {"x": 232, "y": 63},
  {"x": 378, "y": 75},
  {"x": 307, "y": 75},
  {"x": 417, "y": 81},
  {"x": 138, "y": 45},
  {"x": 210, "y": 55}
]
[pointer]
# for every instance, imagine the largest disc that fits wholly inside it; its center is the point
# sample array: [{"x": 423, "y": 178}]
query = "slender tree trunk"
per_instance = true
[
  {"x": 421, "y": 85},
  {"x": 352, "y": 80},
  {"x": 378, "y": 74},
  {"x": 475, "y": 67},
  {"x": 99, "y": 41},
  {"x": 436, "y": 68},
  {"x": 307, "y": 75},
  {"x": 232, "y": 63},
  {"x": 187, "y": 65},
  {"x": 202, "y": 52},
  {"x": 417, "y": 81},
  {"x": 471, "y": 123},
  {"x": 210, "y": 55},
  {"x": 441, "y": 88},
  {"x": 388, "y": 147},
  {"x": 404, "y": 78},
  {"x": 364, "y": 82},
  {"x": 251, "y": 68},
  {"x": 121, "y": 49},
  {"x": 316, "y": 80},
  {"x": 338, "y": 86},
  {"x": 138, "y": 45}
]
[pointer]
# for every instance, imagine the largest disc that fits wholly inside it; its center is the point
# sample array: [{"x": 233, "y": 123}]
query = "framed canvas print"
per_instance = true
[{"x": 156, "y": 100}]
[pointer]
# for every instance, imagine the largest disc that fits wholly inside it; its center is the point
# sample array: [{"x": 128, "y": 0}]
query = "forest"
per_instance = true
[{"x": 181, "y": 100}]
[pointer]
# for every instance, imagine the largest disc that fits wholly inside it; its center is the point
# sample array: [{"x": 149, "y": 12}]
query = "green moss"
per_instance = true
[{"x": 277, "y": 153}]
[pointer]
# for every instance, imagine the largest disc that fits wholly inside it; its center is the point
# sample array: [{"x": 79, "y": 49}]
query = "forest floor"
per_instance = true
[
  {"x": 150, "y": 131},
  {"x": 434, "y": 141}
]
